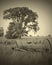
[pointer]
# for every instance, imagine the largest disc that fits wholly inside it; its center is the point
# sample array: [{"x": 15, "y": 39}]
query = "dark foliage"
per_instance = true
[{"x": 20, "y": 16}]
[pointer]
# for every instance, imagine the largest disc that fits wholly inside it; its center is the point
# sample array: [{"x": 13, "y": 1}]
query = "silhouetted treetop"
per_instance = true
[
  {"x": 20, "y": 12},
  {"x": 21, "y": 16}
]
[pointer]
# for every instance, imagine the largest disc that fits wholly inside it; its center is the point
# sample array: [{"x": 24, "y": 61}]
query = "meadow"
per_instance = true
[{"x": 26, "y": 51}]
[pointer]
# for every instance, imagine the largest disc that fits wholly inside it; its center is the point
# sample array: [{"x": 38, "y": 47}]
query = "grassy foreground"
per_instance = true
[{"x": 26, "y": 51}]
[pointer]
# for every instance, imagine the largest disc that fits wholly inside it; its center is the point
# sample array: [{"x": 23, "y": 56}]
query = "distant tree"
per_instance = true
[
  {"x": 21, "y": 16},
  {"x": 11, "y": 30},
  {"x": 1, "y": 31},
  {"x": 49, "y": 35}
]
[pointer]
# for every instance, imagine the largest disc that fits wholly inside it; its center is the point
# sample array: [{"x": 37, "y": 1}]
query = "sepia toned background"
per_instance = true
[{"x": 42, "y": 7}]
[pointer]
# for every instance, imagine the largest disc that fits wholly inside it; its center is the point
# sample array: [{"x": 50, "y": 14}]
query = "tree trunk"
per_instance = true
[{"x": 19, "y": 36}]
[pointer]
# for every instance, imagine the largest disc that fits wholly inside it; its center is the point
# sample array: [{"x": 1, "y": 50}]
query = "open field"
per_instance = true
[{"x": 26, "y": 51}]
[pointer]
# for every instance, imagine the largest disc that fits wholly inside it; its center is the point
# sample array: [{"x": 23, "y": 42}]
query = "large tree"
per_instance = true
[{"x": 21, "y": 16}]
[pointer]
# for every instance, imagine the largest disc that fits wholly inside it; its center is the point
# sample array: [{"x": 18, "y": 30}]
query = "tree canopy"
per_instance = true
[{"x": 21, "y": 16}]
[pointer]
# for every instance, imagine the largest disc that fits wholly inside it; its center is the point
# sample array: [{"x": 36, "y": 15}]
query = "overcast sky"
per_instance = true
[{"x": 42, "y": 7}]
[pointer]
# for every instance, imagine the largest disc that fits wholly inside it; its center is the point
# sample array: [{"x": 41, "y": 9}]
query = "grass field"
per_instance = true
[{"x": 26, "y": 51}]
